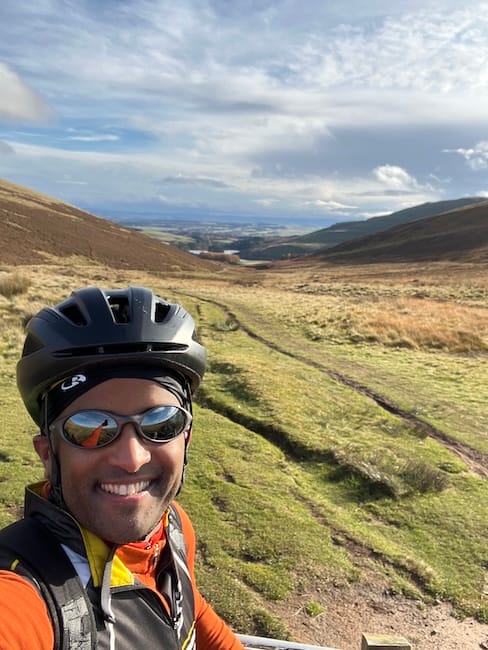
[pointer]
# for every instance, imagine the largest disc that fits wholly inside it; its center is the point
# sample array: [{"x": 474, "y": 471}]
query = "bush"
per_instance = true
[{"x": 424, "y": 478}]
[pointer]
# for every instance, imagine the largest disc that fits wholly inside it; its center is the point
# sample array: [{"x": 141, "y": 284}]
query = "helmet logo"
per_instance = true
[{"x": 70, "y": 383}]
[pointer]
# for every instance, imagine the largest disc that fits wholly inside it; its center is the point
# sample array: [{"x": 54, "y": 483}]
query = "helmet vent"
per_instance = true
[
  {"x": 120, "y": 348},
  {"x": 120, "y": 309},
  {"x": 161, "y": 312},
  {"x": 73, "y": 314}
]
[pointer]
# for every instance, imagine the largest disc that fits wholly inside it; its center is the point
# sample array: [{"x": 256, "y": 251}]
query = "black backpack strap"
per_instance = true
[{"x": 28, "y": 548}]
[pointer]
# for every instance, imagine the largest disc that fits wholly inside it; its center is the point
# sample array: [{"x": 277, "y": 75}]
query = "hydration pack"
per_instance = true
[{"x": 29, "y": 549}]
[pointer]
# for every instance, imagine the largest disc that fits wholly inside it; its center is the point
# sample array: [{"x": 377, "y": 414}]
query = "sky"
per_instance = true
[{"x": 293, "y": 110}]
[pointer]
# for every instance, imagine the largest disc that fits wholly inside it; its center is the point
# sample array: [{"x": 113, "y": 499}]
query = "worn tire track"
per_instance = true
[{"x": 477, "y": 461}]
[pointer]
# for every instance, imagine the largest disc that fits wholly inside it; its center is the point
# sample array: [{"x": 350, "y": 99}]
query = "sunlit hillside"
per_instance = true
[
  {"x": 37, "y": 228},
  {"x": 350, "y": 231},
  {"x": 458, "y": 235}
]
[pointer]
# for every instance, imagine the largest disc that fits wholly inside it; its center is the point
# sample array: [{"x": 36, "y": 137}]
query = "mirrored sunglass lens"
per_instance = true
[
  {"x": 163, "y": 423},
  {"x": 90, "y": 429}
]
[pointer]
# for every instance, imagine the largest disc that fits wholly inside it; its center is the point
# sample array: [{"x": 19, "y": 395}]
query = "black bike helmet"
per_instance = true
[{"x": 97, "y": 329}]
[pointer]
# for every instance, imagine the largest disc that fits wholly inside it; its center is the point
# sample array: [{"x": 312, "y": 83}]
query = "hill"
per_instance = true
[
  {"x": 457, "y": 235},
  {"x": 338, "y": 233},
  {"x": 34, "y": 227}
]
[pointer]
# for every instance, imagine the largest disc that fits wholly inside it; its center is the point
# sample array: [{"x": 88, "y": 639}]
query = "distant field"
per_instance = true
[
  {"x": 341, "y": 432},
  {"x": 218, "y": 236}
]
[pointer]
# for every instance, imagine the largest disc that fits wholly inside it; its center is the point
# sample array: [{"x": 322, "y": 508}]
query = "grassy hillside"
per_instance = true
[
  {"x": 341, "y": 441},
  {"x": 348, "y": 231},
  {"x": 457, "y": 235}
]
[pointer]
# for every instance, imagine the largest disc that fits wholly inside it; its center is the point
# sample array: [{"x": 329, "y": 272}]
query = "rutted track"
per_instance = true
[{"x": 476, "y": 460}]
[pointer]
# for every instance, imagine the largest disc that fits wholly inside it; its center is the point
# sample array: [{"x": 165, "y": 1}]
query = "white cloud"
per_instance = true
[
  {"x": 329, "y": 205},
  {"x": 18, "y": 103},
  {"x": 237, "y": 101},
  {"x": 94, "y": 138},
  {"x": 395, "y": 178},
  {"x": 476, "y": 157},
  {"x": 70, "y": 181},
  {"x": 196, "y": 181},
  {"x": 425, "y": 51}
]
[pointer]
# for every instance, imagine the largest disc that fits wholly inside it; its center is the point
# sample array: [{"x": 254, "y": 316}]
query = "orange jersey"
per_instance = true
[{"x": 25, "y": 619}]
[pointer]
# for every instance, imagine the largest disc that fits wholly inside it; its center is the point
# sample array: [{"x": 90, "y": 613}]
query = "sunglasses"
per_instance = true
[{"x": 92, "y": 429}]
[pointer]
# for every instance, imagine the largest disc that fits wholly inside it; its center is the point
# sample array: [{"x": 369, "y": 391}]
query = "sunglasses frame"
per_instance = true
[{"x": 57, "y": 426}]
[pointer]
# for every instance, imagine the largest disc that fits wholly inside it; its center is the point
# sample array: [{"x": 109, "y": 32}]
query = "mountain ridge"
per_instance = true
[
  {"x": 455, "y": 235},
  {"x": 344, "y": 231}
]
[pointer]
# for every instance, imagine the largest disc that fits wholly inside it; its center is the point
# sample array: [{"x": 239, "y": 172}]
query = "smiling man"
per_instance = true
[{"x": 104, "y": 557}]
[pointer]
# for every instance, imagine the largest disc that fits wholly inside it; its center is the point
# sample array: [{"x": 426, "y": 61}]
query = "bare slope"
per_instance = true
[{"x": 34, "y": 226}]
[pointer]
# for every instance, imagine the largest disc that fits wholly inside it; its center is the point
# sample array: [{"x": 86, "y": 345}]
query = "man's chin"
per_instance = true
[{"x": 130, "y": 531}]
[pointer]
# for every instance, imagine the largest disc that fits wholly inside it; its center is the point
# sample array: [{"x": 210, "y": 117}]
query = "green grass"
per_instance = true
[
  {"x": 18, "y": 462},
  {"x": 449, "y": 391},
  {"x": 403, "y": 496},
  {"x": 296, "y": 480},
  {"x": 247, "y": 522}
]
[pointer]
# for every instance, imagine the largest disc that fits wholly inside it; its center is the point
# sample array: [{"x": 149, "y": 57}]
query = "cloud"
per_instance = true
[
  {"x": 194, "y": 181},
  {"x": 18, "y": 103},
  {"x": 476, "y": 157},
  {"x": 330, "y": 205},
  {"x": 220, "y": 103},
  {"x": 265, "y": 202},
  {"x": 70, "y": 181},
  {"x": 94, "y": 138},
  {"x": 395, "y": 178}
]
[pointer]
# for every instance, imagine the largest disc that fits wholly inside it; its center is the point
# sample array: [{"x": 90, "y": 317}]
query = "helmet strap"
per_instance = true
[
  {"x": 55, "y": 493},
  {"x": 187, "y": 405}
]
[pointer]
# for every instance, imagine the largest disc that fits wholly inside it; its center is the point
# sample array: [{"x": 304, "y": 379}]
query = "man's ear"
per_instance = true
[{"x": 41, "y": 445}]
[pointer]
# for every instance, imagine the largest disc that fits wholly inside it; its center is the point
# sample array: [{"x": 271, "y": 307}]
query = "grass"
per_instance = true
[
  {"x": 442, "y": 387},
  {"x": 18, "y": 462},
  {"x": 298, "y": 479},
  {"x": 13, "y": 284}
]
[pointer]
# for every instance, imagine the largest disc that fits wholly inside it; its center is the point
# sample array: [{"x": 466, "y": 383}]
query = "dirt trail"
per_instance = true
[
  {"x": 476, "y": 461},
  {"x": 371, "y": 608}
]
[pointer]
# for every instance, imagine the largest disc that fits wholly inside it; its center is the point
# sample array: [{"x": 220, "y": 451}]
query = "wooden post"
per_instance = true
[{"x": 384, "y": 642}]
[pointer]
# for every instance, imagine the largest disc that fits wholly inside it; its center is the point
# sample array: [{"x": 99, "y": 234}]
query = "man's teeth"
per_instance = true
[{"x": 125, "y": 489}]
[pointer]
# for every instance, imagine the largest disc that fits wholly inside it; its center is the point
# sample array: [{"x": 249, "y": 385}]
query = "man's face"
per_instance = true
[{"x": 120, "y": 491}]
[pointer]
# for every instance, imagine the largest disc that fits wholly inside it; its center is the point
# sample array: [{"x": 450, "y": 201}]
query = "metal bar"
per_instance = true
[{"x": 256, "y": 642}]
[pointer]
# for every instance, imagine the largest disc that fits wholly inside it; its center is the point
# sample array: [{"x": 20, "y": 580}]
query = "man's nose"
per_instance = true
[{"x": 129, "y": 451}]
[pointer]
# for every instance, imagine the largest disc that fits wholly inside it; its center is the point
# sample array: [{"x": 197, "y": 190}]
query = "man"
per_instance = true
[{"x": 108, "y": 377}]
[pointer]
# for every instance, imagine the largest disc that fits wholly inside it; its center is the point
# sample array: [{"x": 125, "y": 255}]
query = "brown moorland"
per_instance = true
[{"x": 34, "y": 227}]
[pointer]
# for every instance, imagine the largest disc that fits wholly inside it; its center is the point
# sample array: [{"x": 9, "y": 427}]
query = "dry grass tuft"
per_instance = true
[{"x": 14, "y": 284}]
